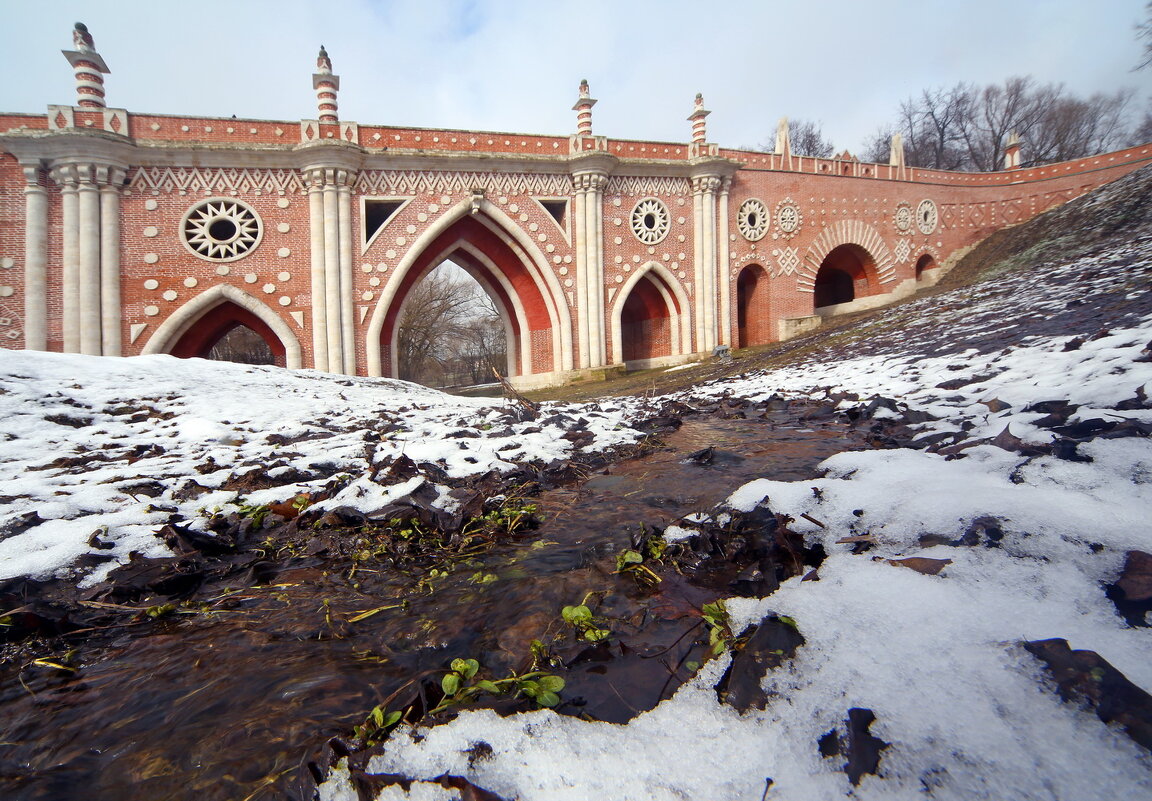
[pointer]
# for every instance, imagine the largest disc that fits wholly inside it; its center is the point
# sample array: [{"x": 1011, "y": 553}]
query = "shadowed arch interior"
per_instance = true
[
  {"x": 646, "y": 320},
  {"x": 215, "y": 324},
  {"x": 752, "y": 307},
  {"x": 925, "y": 262},
  {"x": 848, "y": 272},
  {"x": 518, "y": 290}
]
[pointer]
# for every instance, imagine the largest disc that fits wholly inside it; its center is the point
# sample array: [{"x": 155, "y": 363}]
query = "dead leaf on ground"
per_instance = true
[{"x": 922, "y": 564}]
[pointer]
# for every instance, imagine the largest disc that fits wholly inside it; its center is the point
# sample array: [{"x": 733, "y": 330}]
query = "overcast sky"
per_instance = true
[{"x": 515, "y": 65}]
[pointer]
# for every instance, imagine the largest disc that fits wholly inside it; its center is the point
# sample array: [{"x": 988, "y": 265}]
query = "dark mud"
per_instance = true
[{"x": 240, "y": 667}]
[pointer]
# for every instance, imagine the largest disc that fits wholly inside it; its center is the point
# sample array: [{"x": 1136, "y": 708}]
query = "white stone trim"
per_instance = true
[
  {"x": 180, "y": 321},
  {"x": 512, "y": 235},
  {"x": 680, "y": 322}
]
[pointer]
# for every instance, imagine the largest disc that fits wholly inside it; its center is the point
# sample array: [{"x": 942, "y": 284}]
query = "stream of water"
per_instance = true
[{"x": 239, "y": 702}]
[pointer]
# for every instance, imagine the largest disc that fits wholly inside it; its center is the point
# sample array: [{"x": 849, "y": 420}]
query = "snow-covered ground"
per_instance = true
[
  {"x": 117, "y": 446},
  {"x": 967, "y": 712}
]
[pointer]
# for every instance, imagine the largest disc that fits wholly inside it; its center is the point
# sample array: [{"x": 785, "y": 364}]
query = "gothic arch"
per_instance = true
[
  {"x": 846, "y": 232},
  {"x": 496, "y": 285},
  {"x": 505, "y": 261},
  {"x": 184, "y": 321},
  {"x": 675, "y": 301}
]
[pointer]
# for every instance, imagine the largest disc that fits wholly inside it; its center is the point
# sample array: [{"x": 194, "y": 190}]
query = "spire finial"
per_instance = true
[
  {"x": 583, "y": 109},
  {"x": 699, "y": 129},
  {"x": 88, "y": 67},
  {"x": 326, "y": 85}
]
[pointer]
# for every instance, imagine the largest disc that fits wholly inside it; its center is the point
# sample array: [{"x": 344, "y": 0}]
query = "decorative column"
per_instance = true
[
  {"x": 588, "y": 219},
  {"x": 35, "y": 261},
  {"x": 89, "y": 279},
  {"x": 90, "y": 274},
  {"x": 326, "y": 85},
  {"x": 332, "y": 273},
  {"x": 67, "y": 178},
  {"x": 583, "y": 109},
  {"x": 704, "y": 188},
  {"x": 315, "y": 181},
  {"x": 724, "y": 264},
  {"x": 333, "y": 321},
  {"x": 111, "y": 179},
  {"x": 347, "y": 298},
  {"x": 89, "y": 68}
]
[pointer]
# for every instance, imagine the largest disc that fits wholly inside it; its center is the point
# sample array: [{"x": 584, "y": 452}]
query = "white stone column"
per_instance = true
[
  {"x": 332, "y": 272},
  {"x": 595, "y": 206},
  {"x": 110, "y": 313},
  {"x": 70, "y": 258},
  {"x": 347, "y": 301},
  {"x": 89, "y": 211},
  {"x": 315, "y": 180},
  {"x": 698, "y": 266},
  {"x": 580, "y": 234},
  {"x": 724, "y": 267},
  {"x": 35, "y": 261}
]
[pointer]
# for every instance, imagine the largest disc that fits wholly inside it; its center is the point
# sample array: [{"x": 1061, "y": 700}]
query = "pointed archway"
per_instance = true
[
  {"x": 753, "y": 309},
  {"x": 507, "y": 268},
  {"x": 649, "y": 318},
  {"x": 197, "y": 326}
]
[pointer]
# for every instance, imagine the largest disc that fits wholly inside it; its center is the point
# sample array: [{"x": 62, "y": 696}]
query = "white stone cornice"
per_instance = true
[{"x": 601, "y": 163}]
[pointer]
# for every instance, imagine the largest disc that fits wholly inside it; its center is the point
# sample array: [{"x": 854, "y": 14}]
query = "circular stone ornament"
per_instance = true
[
  {"x": 903, "y": 218},
  {"x": 650, "y": 221},
  {"x": 221, "y": 229},
  {"x": 752, "y": 219},
  {"x": 788, "y": 217},
  {"x": 926, "y": 217}
]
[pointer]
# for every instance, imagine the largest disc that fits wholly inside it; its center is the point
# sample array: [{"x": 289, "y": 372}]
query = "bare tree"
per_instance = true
[
  {"x": 807, "y": 139},
  {"x": 242, "y": 345},
  {"x": 878, "y": 147},
  {"x": 440, "y": 341},
  {"x": 1142, "y": 133},
  {"x": 1144, "y": 34},
  {"x": 967, "y": 127}
]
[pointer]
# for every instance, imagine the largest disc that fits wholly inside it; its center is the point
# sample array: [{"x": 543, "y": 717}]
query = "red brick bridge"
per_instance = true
[{"x": 125, "y": 233}]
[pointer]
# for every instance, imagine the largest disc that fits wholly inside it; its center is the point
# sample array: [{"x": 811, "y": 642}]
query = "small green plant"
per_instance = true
[
  {"x": 460, "y": 686},
  {"x": 631, "y": 562},
  {"x": 720, "y": 636},
  {"x": 580, "y": 618},
  {"x": 377, "y": 725},
  {"x": 255, "y": 512}
]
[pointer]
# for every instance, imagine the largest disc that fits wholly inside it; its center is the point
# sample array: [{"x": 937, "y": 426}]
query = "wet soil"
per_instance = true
[{"x": 239, "y": 668}]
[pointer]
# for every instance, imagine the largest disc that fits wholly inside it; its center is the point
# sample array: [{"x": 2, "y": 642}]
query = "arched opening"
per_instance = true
[
  {"x": 242, "y": 345},
  {"x": 228, "y": 332},
  {"x": 646, "y": 320},
  {"x": 753, "y": 314},
  {"x": 848, "y": 272},
  {"x": 477, "y": 245},
  {"x": 452, "y": 334},
  {"x": 926, "y": 262}
]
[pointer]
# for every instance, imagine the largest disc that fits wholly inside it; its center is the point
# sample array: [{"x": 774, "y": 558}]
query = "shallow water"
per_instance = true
[{"x": 235, "y": 702}]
